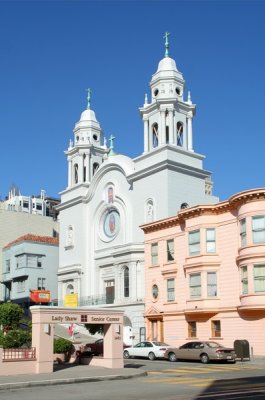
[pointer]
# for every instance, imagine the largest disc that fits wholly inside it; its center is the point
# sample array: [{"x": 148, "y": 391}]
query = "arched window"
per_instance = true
[
  {"x": 76, "y": 172},
  {"x": 95, "y": 167},
  {"x": 84, "y": 170},
  {"x": 155, "y": 135},
  {"x": 126, "y": 282},
  {"x": 110, "y": 195},
  {"x": 180, "y": 134},
  {"x": 70, "y": 289}
]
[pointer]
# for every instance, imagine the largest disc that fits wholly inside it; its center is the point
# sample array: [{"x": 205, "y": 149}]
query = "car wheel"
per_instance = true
[
  {"x": 126, "y": 354},
  {"x": 172, "y": 357},
  {"x": 151, "y": 356},
  {"x": 204, "y": 358}
]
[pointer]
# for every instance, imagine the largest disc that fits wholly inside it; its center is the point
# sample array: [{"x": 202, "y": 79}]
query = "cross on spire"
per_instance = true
[
  {"x": 166, "y": 43},
  {"x": 111, "y": 147},
  {"x": 89, "y": 92}
]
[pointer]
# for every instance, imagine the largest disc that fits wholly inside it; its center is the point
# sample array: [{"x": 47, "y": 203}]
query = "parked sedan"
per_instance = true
[
  {"x": 151, "y": 350},
  {"x": 204, "y": 351}
]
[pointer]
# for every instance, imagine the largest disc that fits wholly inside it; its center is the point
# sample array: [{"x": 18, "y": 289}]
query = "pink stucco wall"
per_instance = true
[{"x": 241, "y": 316}]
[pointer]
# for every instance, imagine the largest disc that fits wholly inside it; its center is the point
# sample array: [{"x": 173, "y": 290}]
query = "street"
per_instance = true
[{"x": 165, "y": 381}]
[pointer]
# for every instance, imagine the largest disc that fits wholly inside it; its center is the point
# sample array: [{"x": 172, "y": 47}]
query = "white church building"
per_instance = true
[{"x": 109, "y": 195}]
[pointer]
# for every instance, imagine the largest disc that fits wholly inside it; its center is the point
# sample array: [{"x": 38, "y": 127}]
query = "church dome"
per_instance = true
[
  {"x": 88, "y": 115},
  {"x": 167, "y": 64}
]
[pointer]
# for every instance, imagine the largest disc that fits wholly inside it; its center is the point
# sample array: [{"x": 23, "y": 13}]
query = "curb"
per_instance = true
[{"x": 50, "y": 382}]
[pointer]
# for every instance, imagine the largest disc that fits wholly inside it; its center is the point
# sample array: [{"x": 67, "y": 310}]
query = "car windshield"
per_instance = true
[
  {"x": 213, "y": 344},
  {"x": 160, "y": 344}
]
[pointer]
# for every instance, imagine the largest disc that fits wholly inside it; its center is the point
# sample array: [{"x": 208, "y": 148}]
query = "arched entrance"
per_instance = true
[{"x": 44, "y": 319}]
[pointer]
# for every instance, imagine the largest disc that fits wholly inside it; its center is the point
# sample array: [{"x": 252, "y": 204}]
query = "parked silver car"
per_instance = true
[{"x": 203, "y": 351}]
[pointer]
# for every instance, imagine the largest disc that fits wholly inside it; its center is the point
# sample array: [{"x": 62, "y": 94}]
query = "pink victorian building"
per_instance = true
[{"x": 205, "y": 273}]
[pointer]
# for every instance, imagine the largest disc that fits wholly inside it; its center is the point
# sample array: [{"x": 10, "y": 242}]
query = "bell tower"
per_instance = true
[
  {"x": 86, "y": 153},
  {"x": 167, "y": 117}
]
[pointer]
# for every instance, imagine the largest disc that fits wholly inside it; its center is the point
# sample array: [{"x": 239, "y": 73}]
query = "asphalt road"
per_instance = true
[{"x": 165, "y": 381}]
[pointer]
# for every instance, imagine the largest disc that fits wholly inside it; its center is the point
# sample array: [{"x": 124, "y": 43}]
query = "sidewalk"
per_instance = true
[
  {"x": 71, "y": 373},
  {"x": 68, "y": 374}
]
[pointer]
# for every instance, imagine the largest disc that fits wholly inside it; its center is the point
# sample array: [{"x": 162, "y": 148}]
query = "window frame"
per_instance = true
[
  {"x": 126, "y": 282},
  {"x": 154, "y": 254},
  {"x": 243, "y": 232},
  {"x": 170, "y": 290},
  {"x": 192, "y": 329},
  {"x": 209, "y": 241},
  {"x": 258, "y": 279},
  {"x": 215, "y": 329},
  {"x": 193, "y": 243},
  {"x": 244, "y": 279},
  {"x": 193, "y": 286},
  {"x": 210, "y": 285},
  {"x": 170, "y": 252},
  {"x": 256, "y": 231}
]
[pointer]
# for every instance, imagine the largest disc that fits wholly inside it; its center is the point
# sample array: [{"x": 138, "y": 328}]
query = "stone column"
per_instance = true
[
  {"x": 70, "y": 171},
  {"x": 171, "y": 127},
  {"x": 146, "y": 136},
  {"x": 190, "y": 141},
  {"x": 162, "y": 130}
]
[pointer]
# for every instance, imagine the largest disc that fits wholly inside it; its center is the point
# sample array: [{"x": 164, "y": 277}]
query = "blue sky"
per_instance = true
[{"x": 51, "y": 51}]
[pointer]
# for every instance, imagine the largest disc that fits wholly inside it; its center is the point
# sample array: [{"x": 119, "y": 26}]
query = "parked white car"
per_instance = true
[{"x": 151, "y": 350}]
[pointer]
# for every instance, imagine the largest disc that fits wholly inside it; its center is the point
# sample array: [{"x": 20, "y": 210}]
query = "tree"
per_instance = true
[
  {"x": 10, "y": 315},
  {"x": 94, "y": 328}
]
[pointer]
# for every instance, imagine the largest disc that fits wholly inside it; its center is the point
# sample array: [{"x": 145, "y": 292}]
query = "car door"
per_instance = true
[
  {"x": 137, "y": 350},
  {"x": 196, "y": 350},
  {"x": 184, "y": 351}
]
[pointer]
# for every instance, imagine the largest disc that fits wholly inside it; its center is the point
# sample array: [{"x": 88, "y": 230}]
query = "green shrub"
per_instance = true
[
  {"x": 16, "y": 338},
  {"x": 61, "y": 345}
]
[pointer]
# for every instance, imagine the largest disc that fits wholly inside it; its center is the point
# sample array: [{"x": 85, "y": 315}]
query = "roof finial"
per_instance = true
[
  {"x": 166, "y": 43},
  {"x": 89, "y": 92},
  {"x": 111, "y": 147}
]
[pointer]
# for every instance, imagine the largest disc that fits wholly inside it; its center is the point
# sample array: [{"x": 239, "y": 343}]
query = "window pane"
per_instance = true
[
  {"x": 192, "y": 329},
  {"x": 195, "y": 285},
  {"x": 211, "y": 284},
  {"x": 258, "y": 222},
  {"x": 170, "y": 250},
  {"x": 244, "y": 279},
  {"x": 210, "y": 234},
  {"x": 154, "y": 253},
  {"x": 194, "y": 237},
  {"x": 216, "y": 328},
  {"x": 259, "y": 278},
  {"x": 243, "y": 232},
  {"x": 210, "y": 240},
  {"x": 170, "y": 289},
  {"x": 258, "y": 229}
]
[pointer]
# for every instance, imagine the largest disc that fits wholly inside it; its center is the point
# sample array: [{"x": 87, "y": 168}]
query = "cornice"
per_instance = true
[{"x": 207, "y": 209}]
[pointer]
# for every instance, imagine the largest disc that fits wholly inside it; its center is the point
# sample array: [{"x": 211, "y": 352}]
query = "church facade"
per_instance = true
[{"x": 109, "y": 195}]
